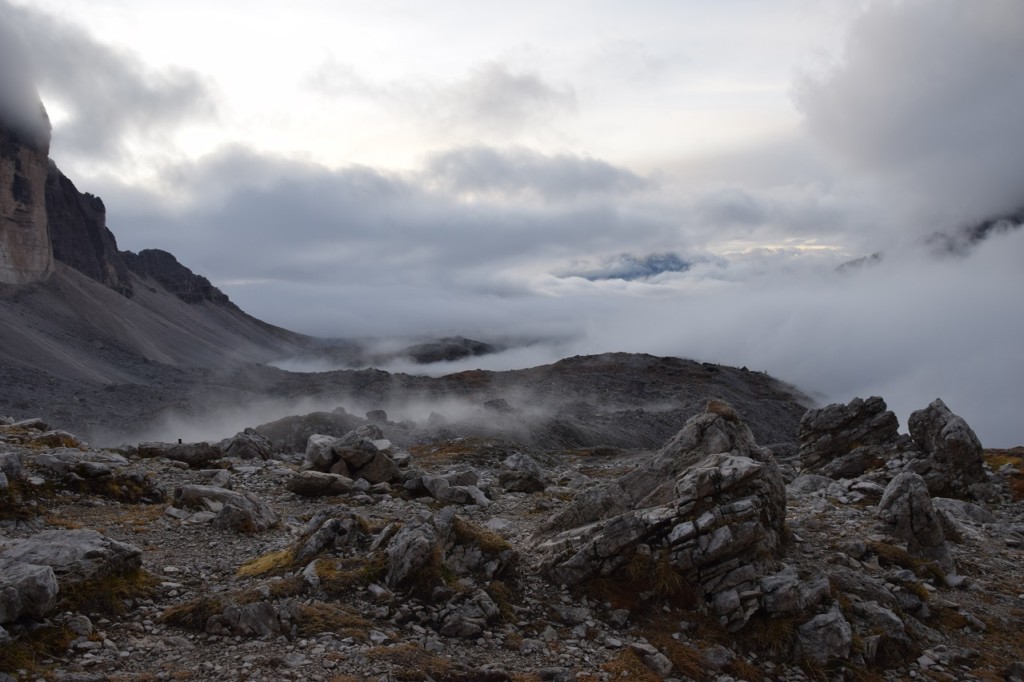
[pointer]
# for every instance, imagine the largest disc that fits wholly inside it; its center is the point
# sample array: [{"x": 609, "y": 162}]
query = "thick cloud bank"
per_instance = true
[{"x": 930, "y": 94}]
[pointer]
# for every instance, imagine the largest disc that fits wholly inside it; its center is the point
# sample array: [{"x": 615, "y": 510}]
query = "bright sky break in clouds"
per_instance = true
[{"x": 354, "y": 169}]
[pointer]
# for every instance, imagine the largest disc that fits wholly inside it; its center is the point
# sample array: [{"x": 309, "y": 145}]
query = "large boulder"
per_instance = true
[
  {"x": 360, "y": 453},
  {"x": 522, "y": 474},
  {"x": 247, "y": 444},
  {"x": 720, "y": 532},
  {"x": 238, "y": 511},
  {"x": 25, "y": 590},
  {"x": 907, "y": 511},
  {"x": 851, "y": 434},
  {"x": 291, "y": 434},
  {"x": 76, "y": 556},
  {"x": 954, "y": 452},
  {"x": 193, "y": 454},
  {"x": 717, "y": 430}
]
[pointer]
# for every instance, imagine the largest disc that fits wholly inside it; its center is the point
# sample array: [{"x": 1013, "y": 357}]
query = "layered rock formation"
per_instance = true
[
  {"x": 78, "y": 231},
  {"x": 25, "y": 253}
]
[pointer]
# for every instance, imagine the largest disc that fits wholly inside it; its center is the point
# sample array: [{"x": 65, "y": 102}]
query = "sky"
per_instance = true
[{"x": 675, "y": 177}]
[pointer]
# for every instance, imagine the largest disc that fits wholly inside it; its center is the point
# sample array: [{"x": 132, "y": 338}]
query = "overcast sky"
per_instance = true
[{"x": 493, "y": 169}]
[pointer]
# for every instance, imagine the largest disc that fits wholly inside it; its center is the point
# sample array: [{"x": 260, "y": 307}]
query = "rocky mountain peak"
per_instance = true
[{"x": 164, "y": 268}]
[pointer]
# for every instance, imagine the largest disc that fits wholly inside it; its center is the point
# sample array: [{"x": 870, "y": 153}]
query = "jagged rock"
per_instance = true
[
  {"x": 469, "y": 618},
  {"x": 521, "y": 473},
  {"x": 417, "y": 546},
  {"x": 331, "y": 533},
  {"x": 721, "y": 532},
  {"x": 247, "y": 444},
  {"x": 319, "y": 484},
  {"x": 76, "y": 556},
  {"x": 837, "y": 431},
  {"x": 193, "y": 454},
  {"x": 239, "y": 511},
  {"x": 784, "y": 593},
  {"x": 77, "y": 224},
  {"x": 651, "y": 484},
  {"x": 258, "y": 619},
  {"x": 104, "y": 473},
  {"x": 292, "y": 434},
  {"x": 441, "y": 489},
  {"x": 10, "y": 465},
  {"x": 25, "y": 590},
  {"x": 882, "y": 623},
  {"x": 359, "y": 454},
  {"x": 88, "y": 464},
  {"x": 953, "y": 446},
  {"x": 908, "y": 513},
  {"x": 963, "y": 511},
  {"x": 826, "y": 637}
]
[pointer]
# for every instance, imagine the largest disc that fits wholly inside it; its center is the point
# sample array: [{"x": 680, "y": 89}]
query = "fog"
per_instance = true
[{"x": 912, "y": 126}]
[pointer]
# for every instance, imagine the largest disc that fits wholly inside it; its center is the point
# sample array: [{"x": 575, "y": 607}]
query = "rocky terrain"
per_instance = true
[{"x": 395, "y": 551}]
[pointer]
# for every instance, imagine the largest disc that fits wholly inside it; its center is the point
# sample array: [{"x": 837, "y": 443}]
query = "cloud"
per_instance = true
[
  {"x": 109, "y": 96},
  {"x": 492, "y": 100},
  {"x": 929, "y": 96},
  {"x": 520, "y": 171},
  {"x": 20, "y": 108}
]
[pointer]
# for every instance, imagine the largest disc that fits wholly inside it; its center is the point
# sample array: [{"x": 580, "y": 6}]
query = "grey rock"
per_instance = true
[
  {"x": 721, "y": 531},
  {"x": 10, "y": 465},
  {"x": 76, "y": 556},
  {"x": 319, "y": 452},
  {"x": 319, "y": 484},
  {"x": 469, "y": 618},
  {"x": 948, "y": 440},
  {"x": 415, "y": 547},
  {"x": 836, "y": 431},
  {"x": 521, "y": 473},
  {"x": 193, "y": 454},
  {"x": 333, "y": 533},
  {"x": 907, "y": 511},
  {"x": 248, "y": 444},
  {"x": 825, "y": 637},
  {"x": 238, "y": 511},
  {"x": 25, "y": 590}
]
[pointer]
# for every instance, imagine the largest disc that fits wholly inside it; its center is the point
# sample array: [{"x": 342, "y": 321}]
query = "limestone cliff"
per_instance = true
[
  {"x": 79, "y": 234},
  {"x": 25, "y": 251}
]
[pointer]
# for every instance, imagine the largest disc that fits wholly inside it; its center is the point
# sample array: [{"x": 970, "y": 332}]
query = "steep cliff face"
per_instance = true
[
  {"x": 165, "y": 269},
  {"x": 25, "y": 252},
  {"x": 79, "y": 234}
]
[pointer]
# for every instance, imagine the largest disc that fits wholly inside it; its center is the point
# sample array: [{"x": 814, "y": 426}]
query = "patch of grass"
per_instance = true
[
  {"x": 108, "y": 594},
  {"x": 23, "y": 501},
  {"x": 272, "y": 563},
  {"x": 193, "y": 614},
  {"x": 1014, "y": 457},
  {"x": 891, "y": 555},
  {"x": 503, "y": 597},
  {"x": 772, "y": 635},
  {"x": 687, "y": 658},
  {"x": 411, "y": 663},
  {"x": 627, "y": 665},
  {"x": 290, "y": 586},
  {"x": 28, "y": 653},
  {"x": 486, "y": 539},
  {"x": 318, "y": 616},
  {"x": 340, "y": 576},
  {"x": 643, "y": 574}
]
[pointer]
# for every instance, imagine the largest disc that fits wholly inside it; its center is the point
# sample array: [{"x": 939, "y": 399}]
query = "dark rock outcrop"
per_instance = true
[
  {"x": 78, "y": 231},
  {"x": 853, "y": 432},
  {"x": 717, "y": 524},
  {"x": 164, "y": 268},
  {"x": 953, "y": 449}
]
